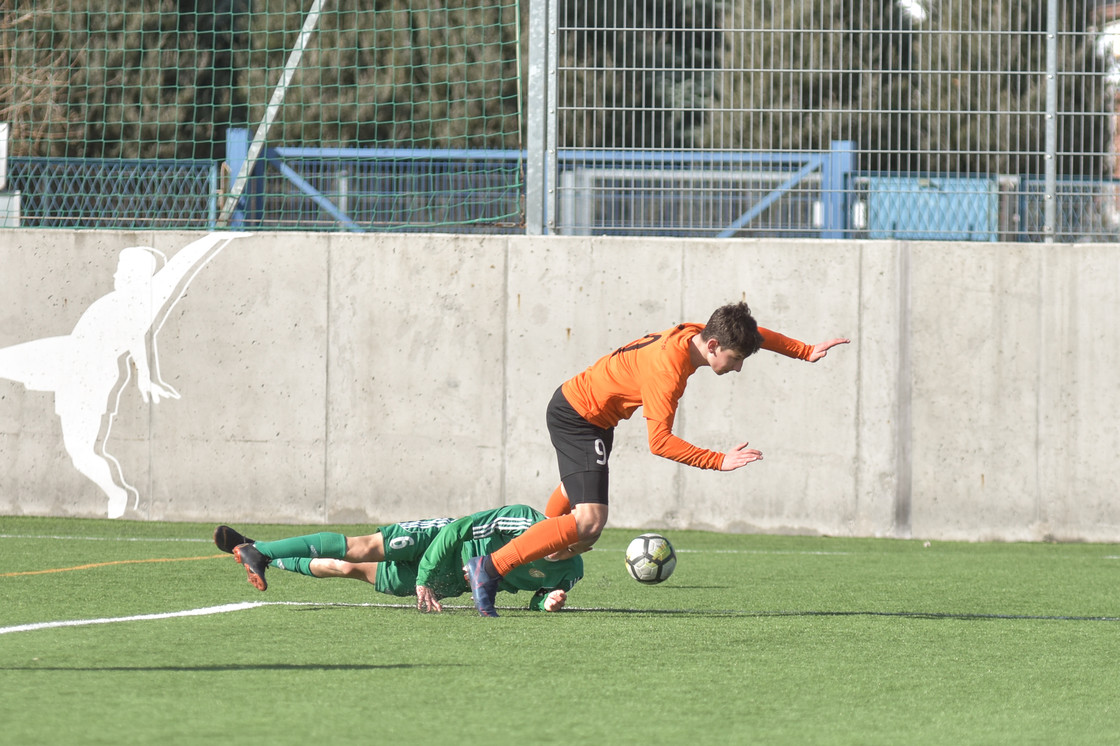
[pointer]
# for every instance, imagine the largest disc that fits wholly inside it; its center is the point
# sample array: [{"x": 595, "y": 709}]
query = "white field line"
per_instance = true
[
  {"x": 137, "y": 618},
  {"x": 225, "y": 608},
  {"x": 205, "y": 611},
  {"x": 102, "y": 538},
  {"x": 754, "y": 551}
]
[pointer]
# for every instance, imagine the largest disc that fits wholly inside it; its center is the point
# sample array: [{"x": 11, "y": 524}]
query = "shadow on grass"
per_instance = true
[
  {"x": 237, "y": 667},
  {"x": 763, "y": 614},
  {"x": 899, "y": 614}
]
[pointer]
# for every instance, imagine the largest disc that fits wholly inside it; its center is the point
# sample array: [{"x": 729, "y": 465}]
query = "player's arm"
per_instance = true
[
  {"x": 659, "y": 399},
  {"x": 193, "y": 256},
  {"x": 448, "y": 543},
  {"x": 663, "y": 443},
  {"x": 554, "y": 598},
  {"x": 138, "y": 353},
  {"x": 427, "y": 600},
  {"x": 821, "y": 349},
  {"x": 660, "y": 394},
  {"x": 548, "y": 600},
  {"x": 150, "y": 386},
  {"x": 790, "y": 347}
]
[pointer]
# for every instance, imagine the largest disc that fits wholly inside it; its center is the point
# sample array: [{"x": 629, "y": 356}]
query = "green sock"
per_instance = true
[
  {"x": 302, "y": 565},
  {"x": 311, "y": 545}
]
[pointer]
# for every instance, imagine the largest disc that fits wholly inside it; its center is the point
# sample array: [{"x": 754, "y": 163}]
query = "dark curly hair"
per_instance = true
[{"x": 734, "y": 328}]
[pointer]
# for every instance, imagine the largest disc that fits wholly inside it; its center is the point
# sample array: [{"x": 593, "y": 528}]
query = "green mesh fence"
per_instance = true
[
  {"x": 886, "y": 119},
  {"x": 402, "y": 114}
]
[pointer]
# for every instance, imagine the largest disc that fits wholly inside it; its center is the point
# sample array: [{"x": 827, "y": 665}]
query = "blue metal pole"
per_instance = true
[
  {"x": 838, "y": 166},
  {"x": 237, "y": 151}
]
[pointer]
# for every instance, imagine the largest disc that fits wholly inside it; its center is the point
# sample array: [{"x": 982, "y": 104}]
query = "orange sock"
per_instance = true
[
  {"x": 558, "y": 503},
  {"x": 539, "y": 540}
]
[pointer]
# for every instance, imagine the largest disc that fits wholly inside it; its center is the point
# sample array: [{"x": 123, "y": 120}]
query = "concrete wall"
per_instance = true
[{"x": 360, "y": 379}]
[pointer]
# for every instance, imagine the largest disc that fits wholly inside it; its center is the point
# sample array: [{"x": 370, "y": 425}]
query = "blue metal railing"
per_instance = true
[
  {"x": 114, "y": 193},
  {"x": 666, "y": 193},
  {"x": 360, "y": 189}
]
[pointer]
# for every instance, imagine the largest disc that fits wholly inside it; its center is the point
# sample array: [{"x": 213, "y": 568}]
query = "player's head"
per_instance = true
[
  {"x": 734, "y": 328},
  {"x": 136, "y": 264}
]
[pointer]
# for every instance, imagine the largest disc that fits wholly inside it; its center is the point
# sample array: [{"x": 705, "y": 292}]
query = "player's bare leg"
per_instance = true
[
  {"x": 333, "y": 568},
  {"x": 369, "y": 548}
]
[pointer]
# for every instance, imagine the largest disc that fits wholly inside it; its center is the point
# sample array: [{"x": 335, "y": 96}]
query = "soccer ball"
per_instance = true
[{"x": 650, "y": 559}]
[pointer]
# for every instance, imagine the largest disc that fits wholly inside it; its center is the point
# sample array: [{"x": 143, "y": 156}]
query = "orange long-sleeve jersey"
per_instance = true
[{"x": 652, "y": 373}]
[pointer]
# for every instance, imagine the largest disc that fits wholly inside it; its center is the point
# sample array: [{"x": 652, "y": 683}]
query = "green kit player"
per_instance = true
[{"x": 424, "y": 558}]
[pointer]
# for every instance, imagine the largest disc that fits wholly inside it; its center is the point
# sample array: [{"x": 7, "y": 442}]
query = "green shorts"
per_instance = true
[
  {"x": 399, "y": 579},
  {"x": 405, "y": 544}
]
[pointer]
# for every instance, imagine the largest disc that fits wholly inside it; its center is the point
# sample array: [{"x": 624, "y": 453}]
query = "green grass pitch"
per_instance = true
[{"x": 755, "y": 639}]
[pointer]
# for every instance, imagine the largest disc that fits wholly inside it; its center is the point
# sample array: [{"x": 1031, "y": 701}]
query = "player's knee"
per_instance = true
[
  {"x": 590, "y": 528},
  {"x": 332, "y": 567},
  {"x": 324, "y": 567},
  {"x": 591, "y": 537}
]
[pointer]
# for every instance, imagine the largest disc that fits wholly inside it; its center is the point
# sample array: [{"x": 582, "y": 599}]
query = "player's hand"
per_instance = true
[
  {"x": 822, "y": 349},
  {"x": 739, "y": 456},
  {"x": 154, "y": 391},
  {"x": 426, "y": 600},
  {"x": 555, "y": 601},
  {"x": 568, "y": 552}
]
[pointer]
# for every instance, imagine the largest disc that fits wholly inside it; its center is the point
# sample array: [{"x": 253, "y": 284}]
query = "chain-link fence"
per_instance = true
[
  {"x": 940, "y": 120},
  {"x": 410, "y": 107},
  {"x": 909, "y": 119}
]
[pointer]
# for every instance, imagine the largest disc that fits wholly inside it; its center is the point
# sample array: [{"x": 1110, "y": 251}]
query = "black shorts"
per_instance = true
[{"x": 582, "y": 452}]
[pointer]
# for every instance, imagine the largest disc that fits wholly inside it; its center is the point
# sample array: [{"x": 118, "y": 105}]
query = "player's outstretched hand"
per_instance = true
[
  {"x": 822, "y": 349},
  {"x": 555, "y": 600},
  {"x": 738, "y": 456},
  {"x": 426, "y": 600},
  {"x": 568, "y": 552}
]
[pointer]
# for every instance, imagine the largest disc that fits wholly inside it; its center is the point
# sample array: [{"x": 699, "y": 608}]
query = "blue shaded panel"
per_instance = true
[{"x": 944, "y": 208}]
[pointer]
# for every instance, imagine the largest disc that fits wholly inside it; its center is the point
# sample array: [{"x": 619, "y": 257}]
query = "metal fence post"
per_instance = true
[
  {"x": 237, "y": 151},
  {"x": 536, "y": 122},
  {"x": 5, "y": 128},
  {"x": 1050, "y": 200},
  {"x": 243, "y": 174},
  {"x": 838, "y": 165},
  {"x": 213, "y": 209},
  {"x": 9, "y": 199},
  {"x": 552, "y": 136}
]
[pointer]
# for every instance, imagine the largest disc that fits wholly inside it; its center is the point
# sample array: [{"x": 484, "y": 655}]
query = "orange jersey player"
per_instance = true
[{"x": 651, "y": 373}]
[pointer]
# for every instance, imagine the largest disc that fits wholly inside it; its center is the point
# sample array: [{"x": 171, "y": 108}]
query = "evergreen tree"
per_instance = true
[
  {"x": 960, "y": 88},
  {"x": 947, "y": 87}
]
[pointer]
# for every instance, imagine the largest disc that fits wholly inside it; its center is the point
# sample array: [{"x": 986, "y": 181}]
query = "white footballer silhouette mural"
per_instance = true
[{"x": 88, "y": 368}]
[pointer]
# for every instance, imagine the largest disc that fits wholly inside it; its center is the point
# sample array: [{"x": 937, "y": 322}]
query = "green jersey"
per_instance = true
[{"x": 443, "y": 546}]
